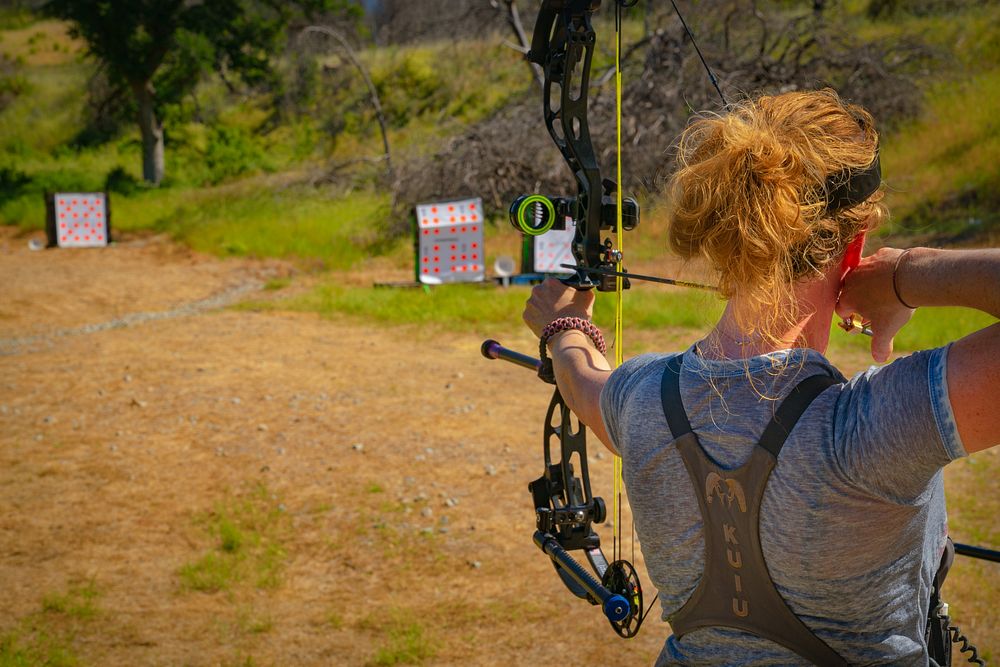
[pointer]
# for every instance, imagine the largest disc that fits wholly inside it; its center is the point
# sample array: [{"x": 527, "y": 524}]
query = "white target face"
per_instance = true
[
  {"x": 553, "y": 248},
  {"x": 450, "y": 247},
  {"x": 81, "y": 219}
]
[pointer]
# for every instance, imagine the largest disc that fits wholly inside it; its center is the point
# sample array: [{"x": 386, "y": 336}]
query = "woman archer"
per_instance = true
[{"x": 789, "y": 515}]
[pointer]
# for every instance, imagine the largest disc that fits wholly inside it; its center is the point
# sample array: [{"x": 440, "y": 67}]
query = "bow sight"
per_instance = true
[{"x": 563, "y": 46}]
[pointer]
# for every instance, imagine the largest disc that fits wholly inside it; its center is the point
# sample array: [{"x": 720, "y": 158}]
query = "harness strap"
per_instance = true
[{"x": 736, "y": 589}]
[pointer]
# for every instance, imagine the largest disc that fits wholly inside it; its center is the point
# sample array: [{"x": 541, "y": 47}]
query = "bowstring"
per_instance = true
[{"x": 619, "y": 280}]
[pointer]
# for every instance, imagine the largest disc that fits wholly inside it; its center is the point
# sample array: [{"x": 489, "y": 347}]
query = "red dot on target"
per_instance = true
[
  {"x": 434, "y": 209},
  {"x": 451, "y": 208},
  {"x": 464, "y": 229},
  {"x": 474, "y": 217},
  {"x": 463, "y": 218},
  {"x": 472, "y": 207},
  {"x": 475, "y": 245}
]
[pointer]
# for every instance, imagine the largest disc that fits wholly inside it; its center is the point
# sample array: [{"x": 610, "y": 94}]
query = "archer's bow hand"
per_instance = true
[{"x": 552, "y": 299}]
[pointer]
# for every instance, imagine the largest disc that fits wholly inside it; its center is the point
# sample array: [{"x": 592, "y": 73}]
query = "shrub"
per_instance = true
[{"x": 230, "y": 152}]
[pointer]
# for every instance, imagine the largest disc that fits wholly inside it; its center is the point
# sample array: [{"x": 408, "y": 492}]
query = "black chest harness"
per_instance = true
[{"x": 736, "y": 589}]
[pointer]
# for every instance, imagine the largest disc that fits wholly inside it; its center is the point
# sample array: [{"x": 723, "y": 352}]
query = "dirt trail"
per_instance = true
[{"x": 393, "y": 467}]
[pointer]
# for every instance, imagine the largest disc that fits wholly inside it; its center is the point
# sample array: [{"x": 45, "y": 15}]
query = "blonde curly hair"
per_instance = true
[{"x": 750, "y": 195}]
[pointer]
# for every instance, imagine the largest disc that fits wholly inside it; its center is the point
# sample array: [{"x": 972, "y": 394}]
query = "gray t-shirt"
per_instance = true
[{"x": 853, "y": 517}]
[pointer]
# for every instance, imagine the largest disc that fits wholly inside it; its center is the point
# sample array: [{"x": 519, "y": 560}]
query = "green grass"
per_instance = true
[
  {"x": 46, "y": 638},
  {"x": 405, "y": 639},
  {"x": 78, "y": 602},
  {"x": 943, "y": 167},
  {"x": 484, "y": 306},
  {"x": 247, "y": 532},
  {"x": 262, "y": 222},
  {"x": 944, "y": 176}
]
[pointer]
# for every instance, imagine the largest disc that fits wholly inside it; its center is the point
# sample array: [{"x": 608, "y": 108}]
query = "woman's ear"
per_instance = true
[{"x": 852, "y": 257}]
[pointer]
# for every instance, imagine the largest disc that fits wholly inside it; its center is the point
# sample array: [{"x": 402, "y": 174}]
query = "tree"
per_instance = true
[{"x": 158, "y": 50}]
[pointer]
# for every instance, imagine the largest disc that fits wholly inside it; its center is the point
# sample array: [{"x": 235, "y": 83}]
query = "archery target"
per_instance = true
[
  {"x": 553, "y": 248},
  {"x": 450, "y": 242},
  {"x": 81, "y": 219}
]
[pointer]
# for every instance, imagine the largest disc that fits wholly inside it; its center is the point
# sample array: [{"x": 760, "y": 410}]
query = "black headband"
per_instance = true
[{"x": 852, "y": 186}]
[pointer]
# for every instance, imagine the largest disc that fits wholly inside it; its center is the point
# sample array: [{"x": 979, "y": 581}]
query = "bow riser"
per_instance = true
[{"x": 563, "y": 45}]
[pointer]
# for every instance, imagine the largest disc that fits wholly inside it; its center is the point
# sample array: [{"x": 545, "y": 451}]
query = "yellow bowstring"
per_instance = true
[{"x": 619, "y": 290}]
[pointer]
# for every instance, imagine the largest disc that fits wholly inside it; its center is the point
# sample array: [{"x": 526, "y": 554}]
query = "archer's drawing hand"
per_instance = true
[
  {"x": 552, "y": 299},
  {"x": 867, "y": 290}
]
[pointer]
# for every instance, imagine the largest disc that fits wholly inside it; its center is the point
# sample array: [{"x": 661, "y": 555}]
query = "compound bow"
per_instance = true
[{"x": 565, "y": 507}]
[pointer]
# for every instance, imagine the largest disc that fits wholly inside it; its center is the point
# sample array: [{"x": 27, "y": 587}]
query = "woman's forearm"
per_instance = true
[
  {"x": 967, "y": 278},
  {"x": 581, "y": 372}
]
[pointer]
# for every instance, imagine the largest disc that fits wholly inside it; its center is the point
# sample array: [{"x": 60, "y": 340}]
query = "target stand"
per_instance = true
[{"x": 77, "y": 219}]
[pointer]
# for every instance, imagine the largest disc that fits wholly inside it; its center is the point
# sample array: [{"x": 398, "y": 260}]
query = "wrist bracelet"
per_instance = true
[
  {"x": 578, "y": 323},
  {"x": 559, "y": 325},
  {"x": 895, "y": 285}
]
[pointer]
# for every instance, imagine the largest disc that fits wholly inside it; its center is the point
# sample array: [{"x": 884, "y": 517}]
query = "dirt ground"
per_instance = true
[{"x": 138, "y": 411}]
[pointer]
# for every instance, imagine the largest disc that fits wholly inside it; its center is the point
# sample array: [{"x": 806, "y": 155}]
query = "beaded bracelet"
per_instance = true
[
  {"x": 559, "y": 325},
  {"x": 566, "y": 323}
]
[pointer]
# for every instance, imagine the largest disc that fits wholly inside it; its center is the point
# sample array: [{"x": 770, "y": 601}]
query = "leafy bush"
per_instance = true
[{"x": 230, "y": 152}]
